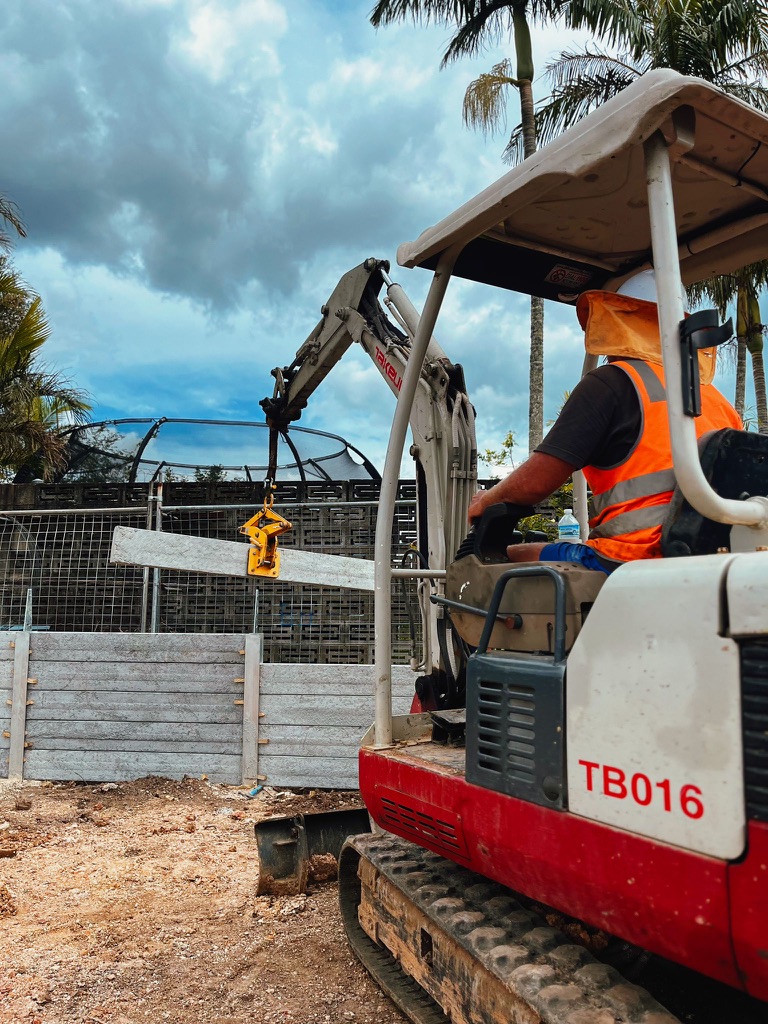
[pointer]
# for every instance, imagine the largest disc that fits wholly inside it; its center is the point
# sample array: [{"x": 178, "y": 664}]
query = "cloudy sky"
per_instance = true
[{"x": 195, "y": 176}]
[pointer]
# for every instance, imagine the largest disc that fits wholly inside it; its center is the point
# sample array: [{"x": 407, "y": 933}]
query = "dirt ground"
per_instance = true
[{"x": 135, "y": 902}]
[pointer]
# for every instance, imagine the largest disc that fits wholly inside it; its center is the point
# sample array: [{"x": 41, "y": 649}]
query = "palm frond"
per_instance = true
[
  {"x": 753, "y": 93},
  {"x": 478, "y": 23},
  {"x": 572, "y": 66},
  {"x": 15, "y": 298},
  {"x": 11, "y": 218},
  {"x": 548, "y": 10},
  {"x": 626, "y": 24},
  {"x": 33, "y": 399},
  {"x": 755, "y": 64},
  {"x": 485, "y": 99},
  {"x": 10, "y": 282},
  {"x": 735, "y": 26},
  {"x": 723, "y": 290},
  {"x": 32, "y": 331},
  {"x": 484, "y": 27},
  {"x": 583, "y": 82},
  {"x": 32, "y": 405},
  {"x": 444, "y": 11}
]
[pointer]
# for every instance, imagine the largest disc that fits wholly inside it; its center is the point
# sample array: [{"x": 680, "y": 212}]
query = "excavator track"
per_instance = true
[{"x": 448, "y": 945}]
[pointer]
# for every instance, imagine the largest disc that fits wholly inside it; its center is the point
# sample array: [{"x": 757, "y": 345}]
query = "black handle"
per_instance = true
[
  {"x": 493, "y": 531},
  {"x": 445, "y": 602},
  {"x": 498, "y": 593}
]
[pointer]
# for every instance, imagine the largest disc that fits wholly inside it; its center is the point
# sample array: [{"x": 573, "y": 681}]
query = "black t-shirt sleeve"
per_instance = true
[{"x": 599, "y": 424}]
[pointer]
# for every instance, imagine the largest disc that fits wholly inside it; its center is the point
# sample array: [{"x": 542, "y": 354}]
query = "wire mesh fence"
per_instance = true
[
  {"x": 62, "y": 555},
  {"x": 63, "y": 558}
]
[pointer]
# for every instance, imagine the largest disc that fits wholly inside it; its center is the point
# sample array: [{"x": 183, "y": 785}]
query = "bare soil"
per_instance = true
[{"x": 137, "y": 902}]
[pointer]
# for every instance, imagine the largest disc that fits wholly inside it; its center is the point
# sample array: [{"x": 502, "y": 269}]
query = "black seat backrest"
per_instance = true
[{"x": 735, "y": 462}]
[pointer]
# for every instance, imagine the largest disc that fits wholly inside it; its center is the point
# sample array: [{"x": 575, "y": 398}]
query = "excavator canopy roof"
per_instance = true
[{"x": 574, "y": 215}]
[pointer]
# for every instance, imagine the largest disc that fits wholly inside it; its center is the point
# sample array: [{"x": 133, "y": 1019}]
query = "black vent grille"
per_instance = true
[
  {"x": 506, "y": 724},
  {"x": 408, "y": 820},
  {"x": 515, "y": 726},
  {"x": 754, "y": 702}
]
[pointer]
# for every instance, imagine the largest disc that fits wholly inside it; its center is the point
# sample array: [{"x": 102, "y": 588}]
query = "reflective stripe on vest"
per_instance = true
[
  {"x": 630, "y": 501},
  {"x": 630, "y": 522},
  {"x": 638, "y": 487},
  {"x": 656, "y": 390}
]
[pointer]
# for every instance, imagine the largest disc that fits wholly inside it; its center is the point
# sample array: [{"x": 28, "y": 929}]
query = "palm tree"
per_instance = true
[
  {"x": 722, "y": 41},
  {"x": 478, "y": 23},
  {"x": 34, "y": 401}
]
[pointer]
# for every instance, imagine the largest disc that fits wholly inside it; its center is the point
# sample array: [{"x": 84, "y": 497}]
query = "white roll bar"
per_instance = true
[
  {"x": 388, "y": 496},
  {"x": 685, "y": 455}
]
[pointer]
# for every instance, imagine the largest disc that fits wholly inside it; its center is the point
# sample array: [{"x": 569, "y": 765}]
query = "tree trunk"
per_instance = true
[
  {"x": 758, "y": 372},
  {"x": 527, "y": 118},
  {"x": 536, "y": 378},
  {"x": 750, "y": 328},
  {"x": 741, "y": 377},
  {"x": 523, "y": 46},
  {"x": 524, "y": 72}
]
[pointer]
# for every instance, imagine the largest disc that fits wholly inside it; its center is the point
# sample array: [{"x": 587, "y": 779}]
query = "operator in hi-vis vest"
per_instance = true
[{"x": 614, "y": 427}]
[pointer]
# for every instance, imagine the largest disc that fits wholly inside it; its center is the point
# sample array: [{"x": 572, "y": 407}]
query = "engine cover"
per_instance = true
[{"x": 528, "y": 605}]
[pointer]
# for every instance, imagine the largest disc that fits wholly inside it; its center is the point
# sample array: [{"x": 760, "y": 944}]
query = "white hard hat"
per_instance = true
[
  {"x": 640, "y": 286},
  {"x": 643, "y": 286}
]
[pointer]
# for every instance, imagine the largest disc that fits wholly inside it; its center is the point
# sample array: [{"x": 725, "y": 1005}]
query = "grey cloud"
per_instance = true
[
  {"x": 121, "y": 154},
  {"x": 118, "y": 155}
]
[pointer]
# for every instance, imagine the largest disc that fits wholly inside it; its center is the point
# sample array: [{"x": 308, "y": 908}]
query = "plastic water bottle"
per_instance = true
[{"x": 568, "y": 528}]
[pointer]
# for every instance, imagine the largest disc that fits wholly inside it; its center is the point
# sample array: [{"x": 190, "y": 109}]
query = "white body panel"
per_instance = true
[
  {"x": 747, "y": 592},
  {"x": 654, "y": 708}
]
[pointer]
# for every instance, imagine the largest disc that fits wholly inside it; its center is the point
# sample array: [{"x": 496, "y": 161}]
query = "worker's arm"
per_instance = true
[{"x": 530, "y": 483}]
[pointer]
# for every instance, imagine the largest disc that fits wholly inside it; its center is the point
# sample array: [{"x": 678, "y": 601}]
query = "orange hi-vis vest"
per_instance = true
[{"x": 629, "y": 501}]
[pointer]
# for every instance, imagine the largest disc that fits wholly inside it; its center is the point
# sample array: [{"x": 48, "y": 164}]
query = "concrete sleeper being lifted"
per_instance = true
[{"x": 230, "y": 558}]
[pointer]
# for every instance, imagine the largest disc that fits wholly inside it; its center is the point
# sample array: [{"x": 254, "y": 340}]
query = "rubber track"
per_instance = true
[{"x": 559, "y": 980}]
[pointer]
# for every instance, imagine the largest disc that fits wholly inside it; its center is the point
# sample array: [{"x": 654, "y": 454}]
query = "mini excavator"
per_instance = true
[
  {"x": 597, "y": 796},
  {"x": 571, "y": 826}
]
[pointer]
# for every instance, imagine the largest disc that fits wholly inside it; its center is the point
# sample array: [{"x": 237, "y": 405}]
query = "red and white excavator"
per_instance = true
[
  {"x": 585, "y": 804},
  {"x": 610, "y": 768}
]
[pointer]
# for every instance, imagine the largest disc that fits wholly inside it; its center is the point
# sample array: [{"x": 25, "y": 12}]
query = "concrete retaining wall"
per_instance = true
[{"x": 103, "y": 707}]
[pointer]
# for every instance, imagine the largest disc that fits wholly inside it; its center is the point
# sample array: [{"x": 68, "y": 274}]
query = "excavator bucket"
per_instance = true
[{"x": 296, "y": 849}]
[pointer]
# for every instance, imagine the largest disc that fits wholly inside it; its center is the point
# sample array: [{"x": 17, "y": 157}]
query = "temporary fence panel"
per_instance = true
[
  {"x": 301, "y": 623},
  {"x": 110, "y": 707},
  {"x": 62, "y": 555}
]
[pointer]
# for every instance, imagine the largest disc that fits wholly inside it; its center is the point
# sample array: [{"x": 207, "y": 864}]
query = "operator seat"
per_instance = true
[
  {"x": 735, "y": 464},
  {"x": 527, "y": 611}
]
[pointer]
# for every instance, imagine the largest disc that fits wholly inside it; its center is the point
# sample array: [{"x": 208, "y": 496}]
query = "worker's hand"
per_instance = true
[{"x": 477, "y": 506}]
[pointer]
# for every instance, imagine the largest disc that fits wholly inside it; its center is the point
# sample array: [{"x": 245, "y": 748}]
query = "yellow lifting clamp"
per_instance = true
[{"x": 263, "y": 531}]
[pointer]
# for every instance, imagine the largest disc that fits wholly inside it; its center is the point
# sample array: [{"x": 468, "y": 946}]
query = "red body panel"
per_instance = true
[
  {"x": 748, "y": 883},
  {"x": 662, "y": 898}
]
